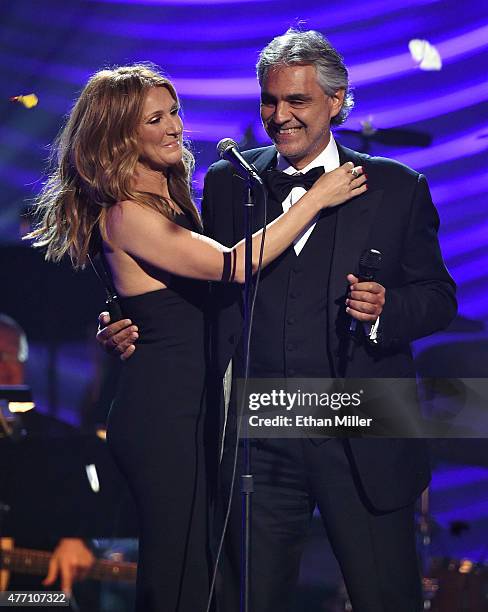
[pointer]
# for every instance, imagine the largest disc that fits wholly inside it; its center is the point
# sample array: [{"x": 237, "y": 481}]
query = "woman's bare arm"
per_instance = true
[{"x": 150, "y": 237}]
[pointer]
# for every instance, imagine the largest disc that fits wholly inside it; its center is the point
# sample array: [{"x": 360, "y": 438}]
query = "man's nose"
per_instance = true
[{"x": 282, "y": 113}]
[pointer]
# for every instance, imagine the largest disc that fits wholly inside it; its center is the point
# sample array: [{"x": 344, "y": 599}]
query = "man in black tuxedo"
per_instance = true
[{"x": 365, "y": 489}]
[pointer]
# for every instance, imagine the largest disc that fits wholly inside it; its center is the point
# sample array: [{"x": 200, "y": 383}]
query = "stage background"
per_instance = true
[{"x": 209, "y": 50}]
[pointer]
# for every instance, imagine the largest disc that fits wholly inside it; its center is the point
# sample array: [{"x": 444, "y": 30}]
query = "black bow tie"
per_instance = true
[{"x": 280, "y": 184}]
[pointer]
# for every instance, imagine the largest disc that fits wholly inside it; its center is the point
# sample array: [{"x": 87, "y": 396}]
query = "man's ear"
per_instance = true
[{"x": 337, "y": 100}]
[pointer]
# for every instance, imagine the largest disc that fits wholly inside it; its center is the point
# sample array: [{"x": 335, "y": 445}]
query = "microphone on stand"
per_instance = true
[
  {"x": 369, "y": 264},
  {"x": 228, "y": 149}
]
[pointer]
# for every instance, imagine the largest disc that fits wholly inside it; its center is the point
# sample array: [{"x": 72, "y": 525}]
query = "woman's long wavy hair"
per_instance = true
[{"x": 95, "y": 157}]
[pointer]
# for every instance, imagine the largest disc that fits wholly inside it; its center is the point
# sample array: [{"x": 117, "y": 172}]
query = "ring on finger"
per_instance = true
[{"x": 355, "y": 172}]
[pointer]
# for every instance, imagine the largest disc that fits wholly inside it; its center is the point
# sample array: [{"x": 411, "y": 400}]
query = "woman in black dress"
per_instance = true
[{"x": 122, "y": 186}]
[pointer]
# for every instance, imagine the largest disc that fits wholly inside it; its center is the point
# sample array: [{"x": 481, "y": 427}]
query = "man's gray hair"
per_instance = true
[{"x": 309, "y": 48}]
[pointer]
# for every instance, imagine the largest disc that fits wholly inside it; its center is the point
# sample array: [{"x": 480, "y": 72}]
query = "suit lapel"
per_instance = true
[
  {"x": 354, "y": 222},
  {"x": 265, "y": 159}
]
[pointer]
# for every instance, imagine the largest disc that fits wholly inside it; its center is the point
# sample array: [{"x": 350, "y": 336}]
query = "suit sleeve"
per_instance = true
[
  {"x": 208, "y": 206},
  {"x": 425, "y": 302},
  {"x": 225, "y": 298},
  {"x": 217, "y": 205}
]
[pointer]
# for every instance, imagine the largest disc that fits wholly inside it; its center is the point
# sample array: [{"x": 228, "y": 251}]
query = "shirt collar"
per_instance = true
[{"x": 328, "y": 159}]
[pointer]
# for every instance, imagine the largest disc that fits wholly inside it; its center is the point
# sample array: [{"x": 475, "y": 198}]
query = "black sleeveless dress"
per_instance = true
[{"x": 156, "y": 433}]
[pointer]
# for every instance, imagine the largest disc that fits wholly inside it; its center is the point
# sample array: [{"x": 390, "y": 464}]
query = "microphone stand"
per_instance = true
[
  {"x": 229, "y": 150},
  {"x": 247, "y": 483}
]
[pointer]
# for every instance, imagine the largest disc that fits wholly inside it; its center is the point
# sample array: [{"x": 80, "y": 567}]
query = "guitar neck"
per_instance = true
[{"x": 36, "y": 562}]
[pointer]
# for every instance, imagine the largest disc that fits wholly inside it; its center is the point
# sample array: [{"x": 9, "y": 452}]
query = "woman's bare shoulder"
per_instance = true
[
  {"x": 124, "y": 208},
  {"x": 130, "y": 212},
  {"x": 130, "y": 218}
]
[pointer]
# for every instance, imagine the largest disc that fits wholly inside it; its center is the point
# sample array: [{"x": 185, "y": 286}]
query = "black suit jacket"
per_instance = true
[{"x": 396, "y": 216}]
